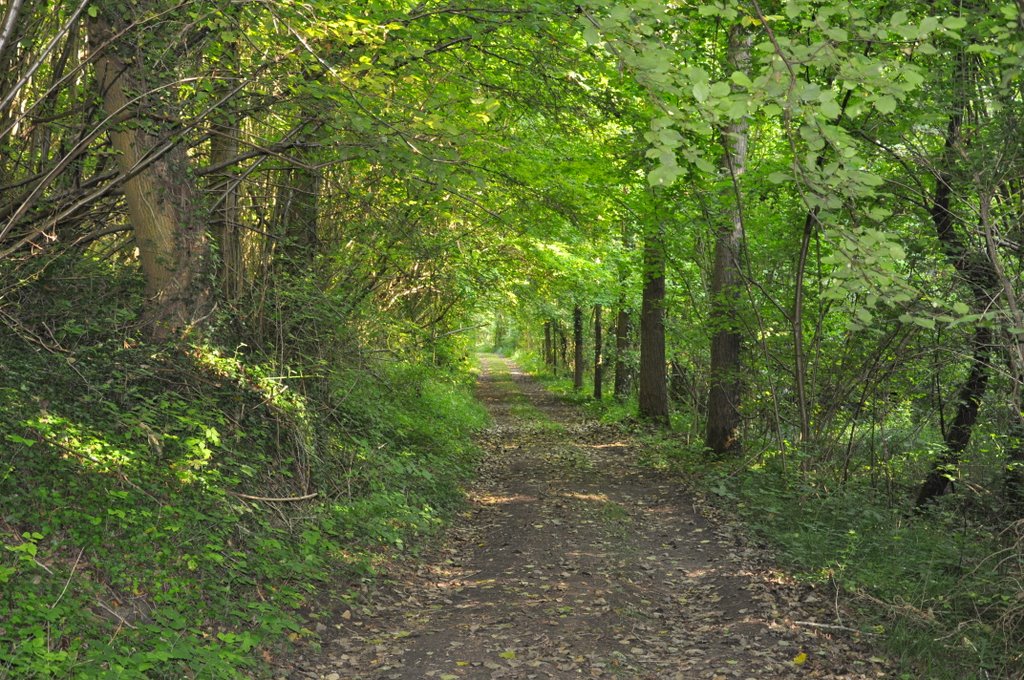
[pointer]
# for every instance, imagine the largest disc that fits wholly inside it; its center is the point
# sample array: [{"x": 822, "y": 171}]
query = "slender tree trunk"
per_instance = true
[
  {"x": 653, "y": 378},
  {"x": 598, "y": 357},
  {"x": 549, "y": 347},
  {"x": 623, "y": 371},
  {"x": 623, "y": 329},
  {"x": 564, "y": 342},
  {"x": 958, "y": 436},
  {"x": 172, "y": 243},
  {"x": 979, "y": 273},
  {"x": 800, "y": 360},
  {"x": 225, "y": 222},
  {"x": 299, "y": 207},
  {"x": 723, "y": 431},
  {"x": 577, "y": 339}
]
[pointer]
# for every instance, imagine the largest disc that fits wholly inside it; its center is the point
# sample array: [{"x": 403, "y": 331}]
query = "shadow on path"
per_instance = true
[{"x": 572, "y": 562}]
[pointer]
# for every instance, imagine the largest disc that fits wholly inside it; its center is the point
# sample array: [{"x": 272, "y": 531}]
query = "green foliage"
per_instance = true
[
  {"x": 133, "y": 541},
  {"x": 927, "y": 584}
]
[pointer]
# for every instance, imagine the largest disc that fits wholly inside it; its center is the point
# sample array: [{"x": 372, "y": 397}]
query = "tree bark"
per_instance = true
[
  {"x": 224, "y": 143},
  {"x": 598, "y": 349},
  {"x": 940, "y": 479},
  {"x": 549, "y": 347},
  {"x": 298, "y": 201},
  {"x": 577, "y": 339},
  {"x": 623, "y": 372},
  {"x": 653, "y": 400},
  {"x": 723, "y": 430},
  {"x": 564, "y": 341},
  {"x": 173, "y": 248},
  {"x": 979, "y": 273}
]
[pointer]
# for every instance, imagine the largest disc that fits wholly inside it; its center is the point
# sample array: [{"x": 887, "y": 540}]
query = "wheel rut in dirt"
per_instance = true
[{"x": 573, "y": 562}]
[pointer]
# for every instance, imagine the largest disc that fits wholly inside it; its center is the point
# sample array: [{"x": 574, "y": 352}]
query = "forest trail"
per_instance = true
[{"x": 573, "y": 562}]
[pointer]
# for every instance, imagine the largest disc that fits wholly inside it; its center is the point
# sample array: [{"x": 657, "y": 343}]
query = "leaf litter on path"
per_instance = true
[{"x": 571, "y": 561}]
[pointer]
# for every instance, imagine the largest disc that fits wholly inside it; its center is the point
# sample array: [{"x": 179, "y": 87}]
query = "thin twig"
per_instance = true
[
  {"x": 288, "y": 499},
  {"x": 68, "y": 582},
  {"x": 831, "y": 626}
]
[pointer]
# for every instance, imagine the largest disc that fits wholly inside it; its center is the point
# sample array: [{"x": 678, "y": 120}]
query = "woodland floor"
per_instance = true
[{"x": 574, "y": 562}]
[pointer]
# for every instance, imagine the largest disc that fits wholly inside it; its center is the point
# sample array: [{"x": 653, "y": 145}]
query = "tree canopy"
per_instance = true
[{"x": 797, "y": 226}]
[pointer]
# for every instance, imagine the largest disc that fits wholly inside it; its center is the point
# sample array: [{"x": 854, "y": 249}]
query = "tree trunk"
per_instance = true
[
  {"x": 723, "y": 431},
  {"x": 577, "y": 339},
  {"x": 549, "y": 347},
  {"x": 564, "y": 341},
  {"x": 940, "y": 478},
  {"x": 224, "y": 184},
  {"x": 298, "y": 210},
  {"x": 979, "y": 273},
  {"x": 623, "y": 371},
  {"x": 172, "y": 243},
  {"x": 653, "y": 379},
  {"x": 598, "y": 349}
]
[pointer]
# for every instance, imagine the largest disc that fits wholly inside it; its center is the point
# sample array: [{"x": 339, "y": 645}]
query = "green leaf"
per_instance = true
[
  {"x": 885, "y": 104},
  {"x": 954, "y": 23},
  {"x": 720, "y": 89},
  {"x": 742, "y": 79}
]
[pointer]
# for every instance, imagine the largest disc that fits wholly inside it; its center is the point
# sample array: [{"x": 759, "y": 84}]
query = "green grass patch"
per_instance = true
[
  {"x": 136, "y": 538},
  {"x": 942, "y": 588}
]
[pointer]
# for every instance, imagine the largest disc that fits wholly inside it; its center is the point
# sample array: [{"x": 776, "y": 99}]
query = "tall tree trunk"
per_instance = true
[
  {"x": 172, "y": 243},
  {"x": 549, "y": 346},
  {"x": 723, "y": 431},
  {"x": 298, "y": 202},
  {"x": 979, "y": 273},
  {"x": 623, "y": 329},
  {"x": 623, "y": 371},
  {"x": 225, "y": 223},
  {"x": 799, "y": 358},
  {"x": 577, "y": 339},
  {"x": 564, "y": 342},
  {"x": 653, "y": 379},
  {"x": 598, "y": 349}
]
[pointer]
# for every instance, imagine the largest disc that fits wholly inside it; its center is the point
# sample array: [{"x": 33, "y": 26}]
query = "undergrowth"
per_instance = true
[{"x": 140, "y": 533}]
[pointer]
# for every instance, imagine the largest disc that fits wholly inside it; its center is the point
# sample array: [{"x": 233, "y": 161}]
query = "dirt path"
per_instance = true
[{"x": 574, "y": 563}]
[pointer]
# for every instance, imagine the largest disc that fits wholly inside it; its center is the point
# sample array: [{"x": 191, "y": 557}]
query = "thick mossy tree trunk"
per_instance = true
[
  {"x": 174, "y": 251},
  {"x": 598, "y": 349},
  {"x": 723, "y": 430},
  {"x": 653, "y": 404},
  {"x": 577, "y": 339}
]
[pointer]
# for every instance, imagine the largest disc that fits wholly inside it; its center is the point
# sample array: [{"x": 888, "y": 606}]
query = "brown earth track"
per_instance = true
[{"x": 574, "y": 562}]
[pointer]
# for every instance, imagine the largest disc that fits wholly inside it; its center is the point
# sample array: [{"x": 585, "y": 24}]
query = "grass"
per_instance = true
[{"x": 136, "y": 540}]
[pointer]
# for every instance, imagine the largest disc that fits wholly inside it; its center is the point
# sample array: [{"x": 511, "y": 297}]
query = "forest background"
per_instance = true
[{"x": 248, "y": 248}]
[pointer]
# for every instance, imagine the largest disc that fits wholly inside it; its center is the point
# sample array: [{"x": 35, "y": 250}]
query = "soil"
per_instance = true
[{"x": 572, "y": 561}]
